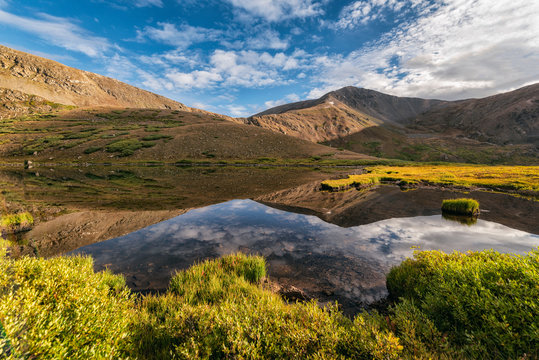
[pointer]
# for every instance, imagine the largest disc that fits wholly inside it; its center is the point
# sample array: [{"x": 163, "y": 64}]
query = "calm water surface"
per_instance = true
[{"x": 328, "y": 262}]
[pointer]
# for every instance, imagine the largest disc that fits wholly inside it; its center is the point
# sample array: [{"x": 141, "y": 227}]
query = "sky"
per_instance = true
[{"x": 240, "y": 57}]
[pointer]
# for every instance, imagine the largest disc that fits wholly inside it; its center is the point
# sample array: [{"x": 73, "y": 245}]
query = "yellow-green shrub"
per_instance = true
[
  {"x": 61, "y": 309},
  {"x": 239, "y": 319},
  {"x": 485, "y": 304},
  {"x": 14, "y": 222}
]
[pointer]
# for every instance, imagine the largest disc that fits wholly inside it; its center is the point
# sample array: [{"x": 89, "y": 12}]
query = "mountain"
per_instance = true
[
  {"x": 55, "y": 112},
  {"x": 341, "y": 113},
  {"x": 31, "y": 84},
  {"x": 511, "y": 117},
  {"x": 499, "y": 129}
]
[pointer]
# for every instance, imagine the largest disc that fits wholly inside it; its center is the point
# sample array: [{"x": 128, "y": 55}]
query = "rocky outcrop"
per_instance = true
[{"x": 14, "y": 103}]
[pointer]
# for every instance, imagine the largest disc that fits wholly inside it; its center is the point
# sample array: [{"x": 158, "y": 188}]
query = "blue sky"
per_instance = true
[{"x": 239, "y": 57}]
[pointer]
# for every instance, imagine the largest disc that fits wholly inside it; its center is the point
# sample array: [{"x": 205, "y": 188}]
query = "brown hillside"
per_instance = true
[
  {"x": 369, "y": 122},
  {"x": 326, "y": 120},
  {"x": 104, "y": 134},
  {"x": 52, "y": 81},
  {"x": 511, "y": 117},
  {"x": 340, "y": 113}
]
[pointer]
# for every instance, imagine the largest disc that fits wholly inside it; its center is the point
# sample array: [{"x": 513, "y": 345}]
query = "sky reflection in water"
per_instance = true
[{"x": 327, "y": 261}]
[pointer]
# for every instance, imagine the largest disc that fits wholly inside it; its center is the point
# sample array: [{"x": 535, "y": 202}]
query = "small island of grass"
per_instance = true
[{"x": 463, "y": 206}]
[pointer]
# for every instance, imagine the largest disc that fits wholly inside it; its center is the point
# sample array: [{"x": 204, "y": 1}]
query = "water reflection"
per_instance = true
[
  {"x": 465, "y": 220},
  {"x": 327, "y": 261}
]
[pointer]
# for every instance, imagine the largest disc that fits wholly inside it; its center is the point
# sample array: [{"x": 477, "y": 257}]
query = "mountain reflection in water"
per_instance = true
[{"x": 328, "y": 262}]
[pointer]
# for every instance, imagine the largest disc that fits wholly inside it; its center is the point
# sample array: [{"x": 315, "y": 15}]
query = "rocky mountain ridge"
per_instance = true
[{"x": 29, "y": 75}]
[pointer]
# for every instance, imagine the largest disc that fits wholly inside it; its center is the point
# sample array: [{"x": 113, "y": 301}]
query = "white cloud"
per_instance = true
[
  {"x": 364, "y": 11},
  {"x": 287, "y": 99},
  {"x": 196, "y": 79},
  {"x": 181, "y": 37},
  {"x": 251, "y": 68},
  {"x": 277, "y": 10},
  {"x": 268, "y": 39},
  {"x": 59, "y": 32},
  {"x": 237, "y": 110},
  {"x": 172, "y": 58},
  {"x": 461, "y": 49},
  {"x": 144, "y": 3}
]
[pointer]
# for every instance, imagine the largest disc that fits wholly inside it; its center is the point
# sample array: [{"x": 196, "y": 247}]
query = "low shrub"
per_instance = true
[
  {"x": 448, "y": 306},
  {"x": 16, "y": 222},
  {"x": 61, "y": 309},
  {"x": 461, "y": 206},
  {"x": 125, "y": 147},
  {"x": 156, "y": 137},
  {"x": 218, "y": 309},
  {"x": 481, "y": 304},
  {"x": 92, "y": 149}
]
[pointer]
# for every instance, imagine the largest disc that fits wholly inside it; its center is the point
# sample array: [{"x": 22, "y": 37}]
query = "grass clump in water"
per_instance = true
[
  {"x": 461, "y": 206},
  {"x": 16, "y": 222},
  {"x": 363, "y": 180}
]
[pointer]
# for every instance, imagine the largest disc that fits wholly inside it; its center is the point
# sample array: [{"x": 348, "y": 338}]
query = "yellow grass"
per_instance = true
[{"x": 521, "y": 178}]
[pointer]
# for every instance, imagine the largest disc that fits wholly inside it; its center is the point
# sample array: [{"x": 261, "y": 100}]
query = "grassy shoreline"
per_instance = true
[
  {"x": 443, "y": 306},
  {"x": 520, "y": 179}
]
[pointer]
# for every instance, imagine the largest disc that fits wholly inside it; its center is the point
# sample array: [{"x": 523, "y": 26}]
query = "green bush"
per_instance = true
[
  {"x": 156, "y": 137},
  {"x": 125, "y": 147},
  {"x": 15, "y": 222},
  {"x": 460, "y": 206},
  {"x": 61, "y": 309},
  {"x": 92, "y": 149},
  {"x": 485, "y": 304},
  {"x": 449, "y": 306}
]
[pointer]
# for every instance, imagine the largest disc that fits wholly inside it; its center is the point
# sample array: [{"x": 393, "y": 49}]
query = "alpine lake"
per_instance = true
[{"x": 148, "y": 222}]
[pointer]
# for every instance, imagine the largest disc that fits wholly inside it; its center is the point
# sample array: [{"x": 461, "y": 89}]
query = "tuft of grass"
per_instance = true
[
  {"x": 124, "y": 147},
  {"x": 92, "y": 149},
  {"x": 211, "y": 280},
  {"x": 461, "y": 206},
  {"x": 478, "y": 305},
  {"x": 16, "y": 222},
  {"x": 156, "y": 137},
  {"x": 363, "y": 180}
]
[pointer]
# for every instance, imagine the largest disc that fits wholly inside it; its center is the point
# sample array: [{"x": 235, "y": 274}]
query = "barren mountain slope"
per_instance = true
[
  {"x": 511, "y": 117},
  {"x": 369, "y": 122},
  {"x": 325, "y": 120},
  {"x": 369, "y": 102},
  {"x": 52, "y": 81},
  {"x": 341, "y": 113}
]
